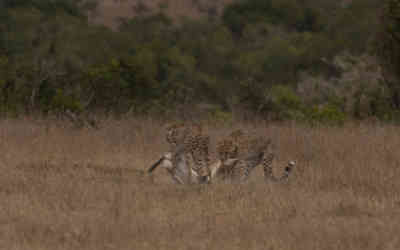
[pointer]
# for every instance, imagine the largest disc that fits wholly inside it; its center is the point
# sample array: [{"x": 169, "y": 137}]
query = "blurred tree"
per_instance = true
[{"x": 389, "y": 48}]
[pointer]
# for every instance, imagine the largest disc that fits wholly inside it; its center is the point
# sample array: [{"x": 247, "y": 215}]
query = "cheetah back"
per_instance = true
[
  {"x": 199, "y": 148},
  {"x": 238, "y": 144}
]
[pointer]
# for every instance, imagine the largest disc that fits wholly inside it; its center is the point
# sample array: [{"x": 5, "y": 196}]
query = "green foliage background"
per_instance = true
[{"x": 250, "y": 59}]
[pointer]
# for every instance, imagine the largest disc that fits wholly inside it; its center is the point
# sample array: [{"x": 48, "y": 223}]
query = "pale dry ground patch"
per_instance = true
[{"x": 66, "y": 188}]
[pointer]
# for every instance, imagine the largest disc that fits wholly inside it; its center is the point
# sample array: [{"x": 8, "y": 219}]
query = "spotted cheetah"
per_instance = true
[
  {"x": 191, "y": 139},
  {"x": 237, "y": 169},
  {"x": 228, "y": 148},
  {"x": 180, "y": 133},
  {"x": 239, "y": 166},
  {"x": 268, "y": 172},
  {"x": 240, "y": 153},
  {"x": 239, "y": 143},
  {"x": 175, "y": 134}
]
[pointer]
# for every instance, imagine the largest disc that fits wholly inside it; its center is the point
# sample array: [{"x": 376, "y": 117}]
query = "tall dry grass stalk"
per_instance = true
[{"x": 63, "y": 188}]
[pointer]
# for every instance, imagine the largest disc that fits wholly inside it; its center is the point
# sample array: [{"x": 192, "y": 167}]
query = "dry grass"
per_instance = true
[{"x": 62, "y": 188}]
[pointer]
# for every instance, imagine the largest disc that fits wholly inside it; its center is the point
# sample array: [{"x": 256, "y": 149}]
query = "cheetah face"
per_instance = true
[{"x": 174, "y": 132}]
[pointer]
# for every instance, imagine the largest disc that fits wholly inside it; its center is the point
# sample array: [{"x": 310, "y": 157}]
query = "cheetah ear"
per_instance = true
[{"x": 155, "y": 165}]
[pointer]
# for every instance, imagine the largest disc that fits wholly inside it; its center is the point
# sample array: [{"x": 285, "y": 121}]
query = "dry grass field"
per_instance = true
[{"x": 66, "y": 188}]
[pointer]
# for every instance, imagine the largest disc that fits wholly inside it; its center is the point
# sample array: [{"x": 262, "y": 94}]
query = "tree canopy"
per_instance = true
[{"x": 254, "y": 57}]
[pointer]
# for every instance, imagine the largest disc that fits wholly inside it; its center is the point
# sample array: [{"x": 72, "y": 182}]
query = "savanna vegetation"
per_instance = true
[
  {"x": 237, "y": 64},
  {"x": 278, "y": 59}
]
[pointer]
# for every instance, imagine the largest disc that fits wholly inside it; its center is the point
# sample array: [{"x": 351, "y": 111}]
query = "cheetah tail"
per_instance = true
[{"x": 289, "y": 169}]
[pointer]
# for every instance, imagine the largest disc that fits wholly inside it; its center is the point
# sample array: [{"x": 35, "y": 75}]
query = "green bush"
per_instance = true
[
  {"x": 62, "y": 102},
  {"x": 291, "y": 13},
  {"x": 327, "y": 114},
  {"x": 283, "y": 103},
  {"x": 151, "y": 64},
  {"x": 221, "y": 117}
]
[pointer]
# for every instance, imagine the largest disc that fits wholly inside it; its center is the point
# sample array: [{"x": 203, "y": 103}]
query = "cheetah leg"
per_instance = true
[
  {"x": 177, "y": 179},
  {"x": 214, "y": 169},
  {"x": 217, "y": 166}
]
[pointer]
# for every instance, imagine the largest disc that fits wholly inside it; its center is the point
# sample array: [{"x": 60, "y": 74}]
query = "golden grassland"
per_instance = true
[{"x": 67, "y": 188}]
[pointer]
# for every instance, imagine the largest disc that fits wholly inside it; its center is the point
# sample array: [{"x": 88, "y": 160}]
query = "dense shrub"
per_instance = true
[
  {"x": 249, "y": 59},
  {"x": 327, "y": 114},
  {"x": 388, "y": 48}
]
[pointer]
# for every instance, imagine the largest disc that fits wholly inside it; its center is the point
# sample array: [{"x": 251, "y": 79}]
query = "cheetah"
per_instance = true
[
  {"x": 239, "y": 143},
  {"x": 191, "y": 139},
  {"x": 181, "y": 134},
  {"x": 240, "y": 153},
  {"x": 239, "y": 166},
  {"x": 179, "y": 165},
  {"x": 268, "y": 173},
  {"x": 175, "y": 134},
  {"x": 239, "y": 170},
  {"x": 228, "y": 148}
]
